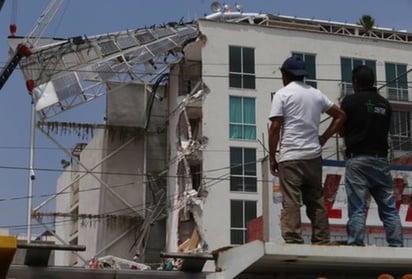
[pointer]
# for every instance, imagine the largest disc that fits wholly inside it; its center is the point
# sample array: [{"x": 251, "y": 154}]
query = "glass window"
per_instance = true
[
  {"x": 346, "y": 69},
  {"x": 241, "y": 212},
  {"x": 242, "y": 67},
  {"x": 310, "y": 61},
  {"x": 243, "y": 169},
  {"x": 347, "y": 64},
  {"x": 248, "y": 60},
  {"x": 242, "y": 118},
  {"x": 401, "y": 131},
  {"x": 397, "y": 81},
  {"x": 235, "y": 53}
]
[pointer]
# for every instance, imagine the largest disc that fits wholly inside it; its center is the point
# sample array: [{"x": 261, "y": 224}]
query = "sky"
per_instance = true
[{"x": 93, "y": 17}]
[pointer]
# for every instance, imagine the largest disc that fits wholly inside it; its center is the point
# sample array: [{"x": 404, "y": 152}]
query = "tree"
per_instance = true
[{"x": 367, "y": 22}]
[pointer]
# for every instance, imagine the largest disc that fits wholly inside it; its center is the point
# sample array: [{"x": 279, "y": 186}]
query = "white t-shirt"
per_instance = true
[{"x": 301, "y": 106}]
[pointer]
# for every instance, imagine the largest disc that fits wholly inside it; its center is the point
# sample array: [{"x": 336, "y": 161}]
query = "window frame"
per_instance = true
[
  {"x": 243, "y": 124},
  {"x": 346, "y": 78},
  {"x": 396, "y": 86},
  {"x": 239, "y": 74},
  {"x": 244, "y": 219},
  {"x": 241, "y": 171},
  {"x": 401, "y": 137}
]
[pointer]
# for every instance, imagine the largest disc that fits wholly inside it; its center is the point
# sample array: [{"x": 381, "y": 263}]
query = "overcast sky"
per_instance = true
[{"x": 93, "y": 17}]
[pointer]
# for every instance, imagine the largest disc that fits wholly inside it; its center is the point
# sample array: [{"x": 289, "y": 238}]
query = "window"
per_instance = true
[
  {"x": 190, "y": 76},
  {"x": 401, "y": 131},
  {"x": 242, "y": 67},
  {"x": 310, "y": 61},
  {"x": 347, "y": 65},
  {"x": 243, "y": 169},
  {"x": 397, "y": 81},
  {"x": 241, "y": 212},
  {"x": 242, "y": 118}
]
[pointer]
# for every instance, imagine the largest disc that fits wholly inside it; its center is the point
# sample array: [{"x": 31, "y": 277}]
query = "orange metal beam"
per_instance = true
[{"x": 8, "y": 246}]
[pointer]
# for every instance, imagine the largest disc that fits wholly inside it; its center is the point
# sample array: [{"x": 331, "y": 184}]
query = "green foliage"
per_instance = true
[{"x": 367, "y": 21}]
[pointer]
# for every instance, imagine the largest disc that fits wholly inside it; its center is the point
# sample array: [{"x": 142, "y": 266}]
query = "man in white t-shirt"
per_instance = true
[{"x": 295, "y": 118}]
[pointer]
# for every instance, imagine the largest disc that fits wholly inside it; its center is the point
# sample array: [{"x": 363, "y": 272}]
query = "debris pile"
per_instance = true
[{"x": 116, "y": 263}]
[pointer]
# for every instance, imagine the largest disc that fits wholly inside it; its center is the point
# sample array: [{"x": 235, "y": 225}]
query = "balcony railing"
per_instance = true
[
  {"x": 401, "y": 143},
  {"x": 392, "y": 93},
  {"x": 397, "y": 94}
]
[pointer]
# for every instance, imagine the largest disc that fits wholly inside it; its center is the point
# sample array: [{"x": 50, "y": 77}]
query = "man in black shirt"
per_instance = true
[{"x": 367, "y": 169}]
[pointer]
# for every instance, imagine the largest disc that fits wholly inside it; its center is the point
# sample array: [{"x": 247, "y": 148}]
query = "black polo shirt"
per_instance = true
[{"x": 367, "y": 125}]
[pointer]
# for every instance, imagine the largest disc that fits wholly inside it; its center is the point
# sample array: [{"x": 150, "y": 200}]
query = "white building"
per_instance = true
[
  {"x": 240, "y": 61},
  {"x": 212, "y": 125}
]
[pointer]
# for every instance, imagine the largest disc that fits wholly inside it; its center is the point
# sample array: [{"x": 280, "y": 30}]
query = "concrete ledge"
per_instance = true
[
  {"x": 26, "y": 272},
  {"x": 47, "y": 246},
  {"x": 345, "y": 260},
  {"x": 38, "y": 253}
]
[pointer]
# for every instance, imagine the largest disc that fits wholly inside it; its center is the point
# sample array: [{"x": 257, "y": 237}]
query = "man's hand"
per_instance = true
[
  {"x": 274, "y": 167},
  {"x": 322, "y": 140},
  {"x": 336, "y": 126}
]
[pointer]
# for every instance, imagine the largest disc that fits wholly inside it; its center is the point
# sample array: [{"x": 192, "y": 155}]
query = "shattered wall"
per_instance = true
[{"x": 186, "y": 142}]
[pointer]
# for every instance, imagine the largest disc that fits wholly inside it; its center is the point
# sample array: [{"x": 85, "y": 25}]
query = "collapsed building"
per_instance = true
[{"x": 178, "y": 164}]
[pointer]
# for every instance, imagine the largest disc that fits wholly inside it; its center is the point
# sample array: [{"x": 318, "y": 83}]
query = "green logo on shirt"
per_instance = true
[{"x": 372, "y": 108}]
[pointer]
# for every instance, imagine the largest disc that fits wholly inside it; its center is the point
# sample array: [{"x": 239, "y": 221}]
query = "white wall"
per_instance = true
[
  {"x": 122, "y": 172},
  {"x": 272, "y": 47},
  {"x": 90, "y": 195},
  {"x": 63, "y": 224}
]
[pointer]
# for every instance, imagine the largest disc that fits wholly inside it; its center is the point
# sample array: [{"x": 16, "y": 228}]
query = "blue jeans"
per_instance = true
[{"x": 364, "y": 175}]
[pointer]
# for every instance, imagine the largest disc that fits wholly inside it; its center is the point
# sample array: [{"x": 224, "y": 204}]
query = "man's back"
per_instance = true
[
  {"x": 300, "y": 105},
  {"x": 367, "y": 170},
  {"x": 367, "y": 124}
]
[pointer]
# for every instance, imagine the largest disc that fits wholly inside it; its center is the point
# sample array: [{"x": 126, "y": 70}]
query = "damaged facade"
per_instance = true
[{"x": 197, "y": 108}]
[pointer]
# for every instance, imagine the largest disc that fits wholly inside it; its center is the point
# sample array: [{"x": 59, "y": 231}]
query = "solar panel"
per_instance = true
[
  {"x": 163, "y": 32},
  {"x": 160, "y": 46},
  {"x": 89, "y": 54},
  {"x": 145, "y": 37},
  {"x": 67, "y": 86},
  {"x": 140, "y": 55},
  {"x": 186, "y": 31},
  {"x": 71, "y": 59},
  {"x": 108, "y": 47},
  {"x": 68, "y": 92},
  {"x": 64, "y": 81},
  {"x": 105, "y": 71},
  {"x": 126, "y": 42}
]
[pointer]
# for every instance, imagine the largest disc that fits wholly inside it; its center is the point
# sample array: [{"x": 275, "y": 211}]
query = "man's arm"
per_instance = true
[
  {"x": 343, "y": 107},
  {"x": 274, "y": 134},
  {"x": 335, "y": 126}
]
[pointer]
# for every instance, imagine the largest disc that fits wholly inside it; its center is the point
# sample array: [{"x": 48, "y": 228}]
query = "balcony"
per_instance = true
[{"x": 397, "y": 94}]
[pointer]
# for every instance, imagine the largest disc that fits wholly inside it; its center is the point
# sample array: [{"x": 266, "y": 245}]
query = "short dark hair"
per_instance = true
[{"x": 364, "y": 76}]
